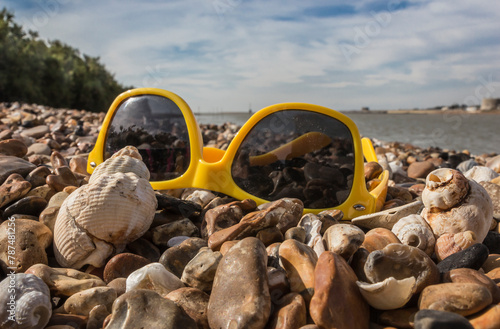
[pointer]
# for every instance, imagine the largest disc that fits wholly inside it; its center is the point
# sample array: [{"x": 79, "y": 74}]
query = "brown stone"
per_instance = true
[
  {"x": 337, "y": 302},
  {"x": 60, "y": 321},
  {"x": 65, "y": 281},
  {"x": 78, "y": 164},
  {"x": 176, "y": 258},
  {"x": 240, "y": 294},
  {"x": 194, "y": 302},
  {"x": 343, "y": 239},
  {"x": 29, "y": 205},
  {"x": 31, "y": 240},
  {"x": 278, "y": 284},
  {"x": 224, "y": 216},
  {"x": 288, "y": 218},
  {"x": 494, "y": 275},
  {"x": 491, "y": 263},
  {"x": 299, "y": 261},
  {"x": 420, "y": 169},
  {"x": 298, "y": 233},
  {"x": 489, "y": 318},
  {"x": 462, "y": 298},
  {"x": 121, "y": 265},
  {"x": 200, "y": 271},
  {"x": 289, "y": 313},
  {"x": 378, "y": 238},
  {"x": 468, "y": 275},
  {"x": 13, "y": 165},
  {"x": 14, "y": 188},
  {"x": 62, "y": 177},
  {"x": 270, "y": 235},
  {"x": 57, "y": 160},
  {"x": 145, "y": 248},
  {"x": 399, "y": 318},
  {"x": 48, "y": 217},
  {"x": 146, "y": 309},
  {"x": 417, "y": 189},
  {"x": 13, "y": 147},
  {"x": 84, "y": 301},
  {"x": 97, "y": 315},
  {"x": 372, "y": 170},
  {"x": 163, "y": 233},
  {"x": 119, "y": 284}
]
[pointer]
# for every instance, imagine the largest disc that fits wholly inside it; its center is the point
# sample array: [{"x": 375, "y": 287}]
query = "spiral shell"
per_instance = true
[
  {"x": 449, "y": 243},
  {"x": 31, "y": 307},
  {"x": 100, "y": 218},
  {"x": 453, "y": 204},
  {"x": 414, "y": 231}
]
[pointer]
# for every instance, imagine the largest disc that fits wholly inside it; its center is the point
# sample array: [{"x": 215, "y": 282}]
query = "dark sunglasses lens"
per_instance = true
[
  {"x": 156, "y": 126},
  {"x": 299, "y": 154}
]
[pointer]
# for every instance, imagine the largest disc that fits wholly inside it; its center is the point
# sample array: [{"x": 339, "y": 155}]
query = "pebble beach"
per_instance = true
[{"x": 74, "y": 254}]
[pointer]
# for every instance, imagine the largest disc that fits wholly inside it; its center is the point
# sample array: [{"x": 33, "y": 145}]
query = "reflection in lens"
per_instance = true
[
  {"x": 299, "y": 154},
  {"x": 156, "y": 126}
]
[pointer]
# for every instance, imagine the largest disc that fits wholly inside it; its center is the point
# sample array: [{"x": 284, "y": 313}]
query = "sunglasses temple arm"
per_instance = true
[
  {"x": 368, "y": 150},
  {"x": 379, "y": 192}
]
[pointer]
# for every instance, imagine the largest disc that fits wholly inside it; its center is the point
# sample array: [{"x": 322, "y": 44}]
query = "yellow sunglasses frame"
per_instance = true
[{"x": 210, "y": 168}]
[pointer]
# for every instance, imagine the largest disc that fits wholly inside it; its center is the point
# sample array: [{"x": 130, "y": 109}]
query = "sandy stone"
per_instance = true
[
  {"x": 97, "y": 315},
  {"x": 240, "y": 294},
  {"x": 378, "y": 238},
  {"x": 297, "y": 233},
  {"x": 31, "y": 240},
  {"x": 462, "y": 298},
  {"x": 48, "y": 217},
  {"x": 337, "y": 302},
  {"x": 43, "y": 191},
  {"x": 494, "y": 193},
  {"x": 146, "y": 309},
  {"x": 299, "y": 262},
  {"x": 289, "y": 313},
  {"x": 62, "y": 177},
  {"x": 163, "y": 233},
  {"x": 194, "y": 302},
  {"x": 38, "y": 176},
  {"x": 78, "y": 164},
  {"x": 65, "y": 281},
  {"x": 270, "y": 235},
  {"x": 84, "y": 301},
  {"x": 467, "y": 275},
  {"x": 119, "y": 284},
  {"x": 420, "y": 169},
  {"x": 38, "y": 149},
  {"x": 36, "y": 132}
]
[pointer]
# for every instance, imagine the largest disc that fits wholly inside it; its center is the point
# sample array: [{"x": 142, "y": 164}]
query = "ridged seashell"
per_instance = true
[
  {"x": 450, "y": 243},
  {"x": 389, "y": 294},
  {"x": 378, "y": 238},
  {"x": 343, "y": 239},
  {"x": 481, "y": 174},
  {"x": 414, "y": 231},
  {"x": 312, "y": 225},
  {"x": 128, "y": 159},
  {"x": 444, "y": 188},
  {"x": 31, "y": 307},
  {"x": 154, "y": 277},
  {"x": 471, "y": 211},
  {"x": 100, "y": 218}
]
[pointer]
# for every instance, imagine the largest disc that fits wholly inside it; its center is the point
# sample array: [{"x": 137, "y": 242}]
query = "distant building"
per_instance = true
[
  {"x": 490, "y": 104},
  {"x": 365, "y": 109}
]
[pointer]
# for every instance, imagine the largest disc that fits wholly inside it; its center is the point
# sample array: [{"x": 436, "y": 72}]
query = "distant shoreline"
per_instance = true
[{"x": 495, "y": 112}]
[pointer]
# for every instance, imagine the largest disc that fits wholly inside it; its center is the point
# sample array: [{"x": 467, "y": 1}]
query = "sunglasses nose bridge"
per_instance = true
[{"x": 214, "y": 176}]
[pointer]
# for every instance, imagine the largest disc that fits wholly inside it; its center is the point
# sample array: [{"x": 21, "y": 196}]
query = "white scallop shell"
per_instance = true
[
  {"x": 100, "y": 218},
  {"x": 31, "y": 306},
  {"x": 474, "y": 212},
  {"x": 414, "y": 231}
]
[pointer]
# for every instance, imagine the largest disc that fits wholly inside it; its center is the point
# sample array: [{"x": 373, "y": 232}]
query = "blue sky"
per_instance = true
[{"x": 223, "y": 55}]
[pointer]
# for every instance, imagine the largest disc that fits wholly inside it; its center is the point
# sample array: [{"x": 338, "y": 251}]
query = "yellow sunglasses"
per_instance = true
[{"x": 294, "y": 150}]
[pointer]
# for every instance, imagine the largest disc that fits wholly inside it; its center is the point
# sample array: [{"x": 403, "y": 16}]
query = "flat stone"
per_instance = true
[
  {"x": 337, "y": 302},
  {"x": 13, "y": 147},
  {"x": 13, "y": 165},
  {"x": 81, "y": 303},
  {"x": 31, "y": 240},
  {"x": 467, "y": 275},
  {"x": 200, "y": 271},
  {"x": 461, "y": 298},
  {"x": 176, "y": 258},
  {"x": 194, "y": 302},
  {"x": 36, "y": 132},
  {"x": 38, "y": 149},
  {"x": 299, "y": 262},
  {"x": 240, "y": 294},
  {"x": 65, "y": 281},
  {"x": 29, "y": 205},
  {"x": 38, "y": 176},
  {"x": 43, "y": 191},
  {"x": 146, "y": 309},
  {"x": 163, "y": 233},
  {"x": 472, "y": 257},
  {"x": 434, "y": 319},
  {"x": 121, "y": 265},
  {"x": 387, "y": 218}
]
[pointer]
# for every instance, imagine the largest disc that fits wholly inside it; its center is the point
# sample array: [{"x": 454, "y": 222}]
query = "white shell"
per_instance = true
[
  {"x": 312, "y": 225},
  {"x": 154, "y": 277},
  {"x": 343, "y": 239},
  {"x": 414, "y": 231},
  {"x": 389, "y": 294},
  {"x": 31, "y": 306},
  {"x": 473, "y": 211},
  {"x": 127, "y": 159},
  {"x": 100, "y": 218},
  {"x": 481, "y": 174}
]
